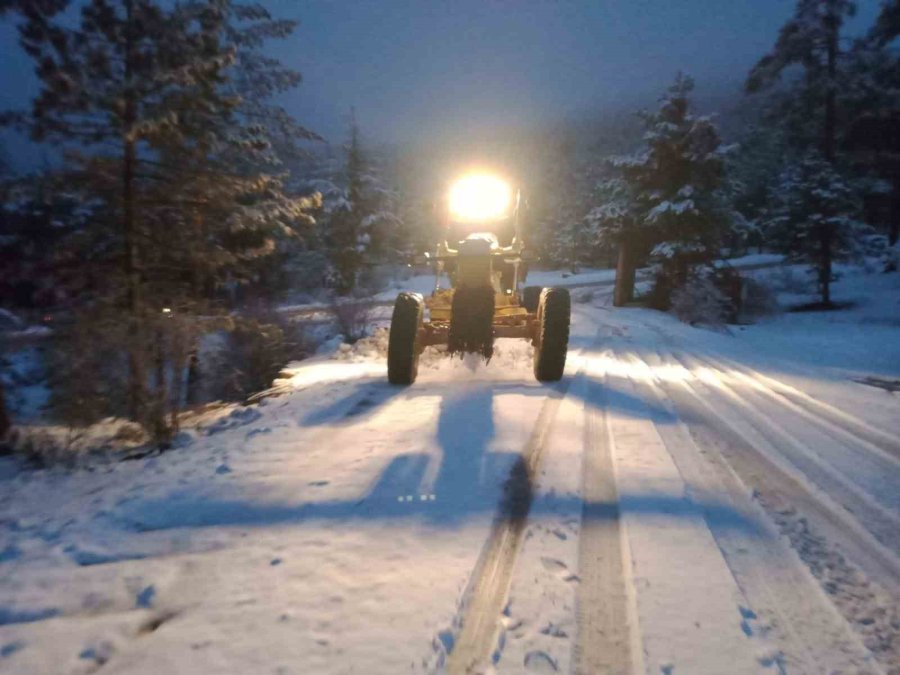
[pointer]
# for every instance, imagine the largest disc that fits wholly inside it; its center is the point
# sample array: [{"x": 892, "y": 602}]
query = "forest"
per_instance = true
[{"x": 182, "y": 206}]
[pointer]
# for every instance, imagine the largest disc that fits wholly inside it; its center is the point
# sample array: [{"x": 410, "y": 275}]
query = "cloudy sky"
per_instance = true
[{"x": 414, "y": 68}]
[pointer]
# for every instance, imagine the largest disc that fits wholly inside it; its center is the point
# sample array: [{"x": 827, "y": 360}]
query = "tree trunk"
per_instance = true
[
  {"x": 5, "y": 422},
  {"x": 894, "y": 213},
  {"x": 825, "y": 266},
  {"x": 193, "y": 376},
  {"x": 828, "y": 144},
  {"x": 161, "y": 431},
  {"x": 137, "y": 375},
  {"x": 623, "y": 292}
]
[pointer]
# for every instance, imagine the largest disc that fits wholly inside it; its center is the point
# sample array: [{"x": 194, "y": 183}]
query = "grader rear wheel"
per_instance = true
[
  {"x": 403, "y": 347},
  {"x": 551, "y": 340}
]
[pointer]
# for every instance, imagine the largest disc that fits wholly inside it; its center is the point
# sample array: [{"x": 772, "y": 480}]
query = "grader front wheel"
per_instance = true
[
  {"x": 551, "y": 340},
  {"x": 403, "y": 347}
]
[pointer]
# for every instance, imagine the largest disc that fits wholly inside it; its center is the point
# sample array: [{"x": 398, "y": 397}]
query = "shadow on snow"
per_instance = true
[{"x": 465, "y": 484}]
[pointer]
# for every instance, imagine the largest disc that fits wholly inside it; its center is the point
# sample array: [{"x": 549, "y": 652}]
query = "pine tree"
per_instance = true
[
  {"x": 105, "y": 83},
  {"x": 887, "y": 24},
  {"x": 752, "y": 171},
  {"x": 811, "y": 40},
  {"x": 872, "y": 100},
  {"x": 167, "y": 111},
  {"x": 615, "y": 225},
  {"x": 364, "y": 227},
  {"x": 815, "y": 217},
  {"x": 675, "y": 197},
  {"x": 347, "y": 240},
  {"x": 561, "y": 203}
]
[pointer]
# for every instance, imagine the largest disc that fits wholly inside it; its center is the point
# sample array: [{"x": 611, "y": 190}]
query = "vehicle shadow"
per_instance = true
[{"x": 442, "y": 489}]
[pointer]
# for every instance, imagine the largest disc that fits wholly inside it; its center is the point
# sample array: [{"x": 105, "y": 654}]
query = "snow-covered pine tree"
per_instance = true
[
  {"x": 811, "y": 40},
  {"x": 561, "y": 201},
  {"x": 751, "y": 175},
  {"x": 872, "y": 103},
  {"x": 815, "y": 217},
  {"x": 615, "y": 225},
  {"x": 104, "y": 82},
  {"x": 167, "y": 111},
  {"x": 675, "y": 188},
  {"x": 221, "y": 189},
  {"x": 887, "y": 24},
  {"x": 362, "y": 230},
  {"x": 347, "y": 241}
]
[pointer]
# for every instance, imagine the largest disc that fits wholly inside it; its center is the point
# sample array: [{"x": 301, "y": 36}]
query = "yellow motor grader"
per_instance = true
[{"x": 484, "y": 301}]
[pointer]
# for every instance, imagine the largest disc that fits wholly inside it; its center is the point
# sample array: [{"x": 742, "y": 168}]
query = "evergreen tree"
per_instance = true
[
  {"x": 107, "y": 83},
  {"x": 364, "y": 226},
  {"x": 166, "y": 112},
  {"x": 887, "y": 24},
  {"x": 674, "y": 186},
  {"x": 815, "y": 217},
  {"x": 561, "y": 202},
  {"x": 872, "y": 100},
  {"x": 346, "y": 239},
  {"x": 853, "y": 94},
  {"x": 752, "y": 172},
  {"x": 615, "y": 224},
  {"x": 810, "y": 40}
]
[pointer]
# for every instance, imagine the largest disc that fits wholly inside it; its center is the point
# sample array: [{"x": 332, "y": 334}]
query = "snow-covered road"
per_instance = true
[{"x": 695, "y": 504}]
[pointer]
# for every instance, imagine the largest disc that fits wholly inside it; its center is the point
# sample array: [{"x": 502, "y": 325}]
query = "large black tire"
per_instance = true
[
  {"x": 531, "y": 296},
  {"x": 552, "y": 336},
  {"x": 472, "y": 321},
  {"x": 403, "y": 346}
]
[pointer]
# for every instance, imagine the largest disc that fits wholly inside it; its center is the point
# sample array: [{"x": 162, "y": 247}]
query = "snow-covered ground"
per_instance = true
[
  {"x": 702, "y": 502},
  {"x": 585, "y": 276}
]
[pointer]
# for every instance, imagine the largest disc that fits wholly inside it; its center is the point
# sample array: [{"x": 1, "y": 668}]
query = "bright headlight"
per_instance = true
[{"x": 480, "y": 197}]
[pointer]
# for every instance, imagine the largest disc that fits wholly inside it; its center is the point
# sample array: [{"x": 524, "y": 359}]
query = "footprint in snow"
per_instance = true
[
  {"x": 553, "y": 630},
  {"x": 540, "y": 662},
  {"x": 144, "y": 599},
  {"x": 99, "y": 653},
  {"x": 11, "y": 648},
  {"x": 445, "y": 641},
  {"x": 554, "y": 565},
  {"x": 560, "y": 569},
  {"x": 747, "y": 615}
]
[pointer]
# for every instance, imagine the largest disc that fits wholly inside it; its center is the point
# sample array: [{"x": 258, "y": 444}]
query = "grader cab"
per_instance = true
[{"x": 484, "y": 300}]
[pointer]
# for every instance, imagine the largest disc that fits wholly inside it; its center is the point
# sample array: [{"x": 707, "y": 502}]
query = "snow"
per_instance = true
[
  {"x": 738, "y": 487},
  {"x": 22, "y": 371},
  {"x": 9, "y": 321},
  {"x": 688, "y": 603},
  {"x": 585, "y": 276},
  {"x": 754, "y": 259}
]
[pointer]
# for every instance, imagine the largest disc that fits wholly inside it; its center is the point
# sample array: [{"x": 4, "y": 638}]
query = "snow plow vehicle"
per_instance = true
[{"x": 484, "y": 300}]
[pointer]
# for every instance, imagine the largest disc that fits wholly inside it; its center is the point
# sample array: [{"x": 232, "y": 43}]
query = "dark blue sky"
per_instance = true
[{"x": 416, "y": 68}]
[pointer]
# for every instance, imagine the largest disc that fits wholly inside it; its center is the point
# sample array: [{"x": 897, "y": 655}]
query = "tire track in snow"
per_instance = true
[
  {"x": 486, "y": 593},
  {"x": 742, "y": 427},
  {"x": 854, "y": 571},
  {"x": 784, "y": 443},
  {"x": 847, "y": 424},
  {"x": 786, "y": 605},
  {"x": 602, "y": 642},
  {"x": 833, "y": 420}
]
